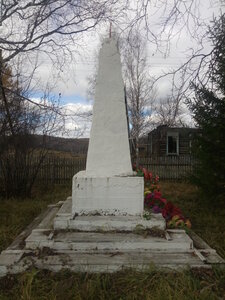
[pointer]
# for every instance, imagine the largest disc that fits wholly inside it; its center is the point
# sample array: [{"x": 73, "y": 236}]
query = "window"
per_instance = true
[{"x": 172, "y": 145}]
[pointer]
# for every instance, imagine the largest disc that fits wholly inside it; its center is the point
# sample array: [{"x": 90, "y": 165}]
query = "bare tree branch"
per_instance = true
[
  {"x": 31, "y": 25},
  {"x": 139, "y": 92}
]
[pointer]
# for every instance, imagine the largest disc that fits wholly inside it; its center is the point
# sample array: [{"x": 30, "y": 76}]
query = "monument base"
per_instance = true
[
  {"x": 64, "y": 220},
  {"x": 104, "y": 204},
  {"x": 40, "y": 246},
  {"x": 117, "y": 195}
]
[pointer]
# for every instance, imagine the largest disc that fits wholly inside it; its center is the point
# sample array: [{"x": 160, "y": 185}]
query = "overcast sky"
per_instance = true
[{"x": 72, "y": 80}]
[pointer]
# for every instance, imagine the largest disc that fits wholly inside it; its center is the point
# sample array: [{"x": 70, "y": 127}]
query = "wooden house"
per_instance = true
[
  {"x": 142, "y": 147},
  {"x": 171, "y": 141}
]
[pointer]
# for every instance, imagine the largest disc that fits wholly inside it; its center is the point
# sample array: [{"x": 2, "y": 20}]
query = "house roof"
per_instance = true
[{"x": 168, "y": 128}]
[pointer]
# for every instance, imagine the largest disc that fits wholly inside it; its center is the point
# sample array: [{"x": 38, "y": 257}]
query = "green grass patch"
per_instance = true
[
  {"x": 207, "y": 220},
  {"x": 16, "y": 214},
  {"x": 128, "y": 284}
]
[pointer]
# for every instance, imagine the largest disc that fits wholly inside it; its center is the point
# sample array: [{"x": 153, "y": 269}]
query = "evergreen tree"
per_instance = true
[{"x": 208, "y": 107}]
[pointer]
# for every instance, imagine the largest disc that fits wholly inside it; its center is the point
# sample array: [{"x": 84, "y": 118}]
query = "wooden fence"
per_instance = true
[
  {"x": 170, "y": 167},
  {"x": 59, "y": 170}
]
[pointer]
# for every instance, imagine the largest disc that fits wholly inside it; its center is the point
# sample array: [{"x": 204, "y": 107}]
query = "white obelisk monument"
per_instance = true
[{"x": 108, "y": 186}]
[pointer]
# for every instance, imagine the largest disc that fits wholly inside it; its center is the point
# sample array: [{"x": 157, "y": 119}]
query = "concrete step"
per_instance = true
[
  {"x": 101, "y": 251},
  {"x": 108, "y": 223},
  {"x": 64, "y": 220},
  {"x": 111, "y": 262},
  {"x": 92, "y": 241}
]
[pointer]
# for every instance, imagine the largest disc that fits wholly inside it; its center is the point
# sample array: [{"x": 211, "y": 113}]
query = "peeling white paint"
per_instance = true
[{"x": 107, "y": 195}]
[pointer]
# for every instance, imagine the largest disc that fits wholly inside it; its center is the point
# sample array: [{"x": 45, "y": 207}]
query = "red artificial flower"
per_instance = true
[
  {"x": 146, "y": 175},
  {"x": 171, "y": 210},
  {"x": 163, "y": 200},
  {"x": 157, "y": 195},
  {"x": 156, "y": 178}
]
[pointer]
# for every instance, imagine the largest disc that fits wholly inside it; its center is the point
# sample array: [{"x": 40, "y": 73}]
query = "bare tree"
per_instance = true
[
  {"x": 24, "y": 132},
  {"x": 167, "y": 22},
  {"x": 139, "y": 91},
  {"x": 168, "y": 111},
  {"x": 164, "y": 21},
  {"x": 51, "y": 26},
  {"x": 55, "y": 26}
]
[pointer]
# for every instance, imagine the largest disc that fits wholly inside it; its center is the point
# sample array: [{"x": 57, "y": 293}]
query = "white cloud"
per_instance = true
[
  {"x": 71, "y": 79},
  {"x": 78, "y": 119}
]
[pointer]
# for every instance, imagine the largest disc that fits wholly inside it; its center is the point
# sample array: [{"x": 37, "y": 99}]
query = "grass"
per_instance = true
[
  {"x": 16, "y": 214},
  {"x": 207, "y": 220},
  {"x": 128, "y": 284}
]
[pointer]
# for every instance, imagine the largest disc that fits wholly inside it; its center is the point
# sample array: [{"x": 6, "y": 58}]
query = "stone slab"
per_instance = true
[
  {"x": 118, "y": 195},
  {"x": 111, "y": 262},
  {"x": 7, "y": 259},
  {"x": 64, "y": 220},
  {"x": 47, "y": 221},
  {"x": 109, "y": 223},
  {"x": 66, "y": 208},
  {"x": 38, "y": 239},
  {"x": 103, "y": 252},
  {"x": 95, "y": 242}
]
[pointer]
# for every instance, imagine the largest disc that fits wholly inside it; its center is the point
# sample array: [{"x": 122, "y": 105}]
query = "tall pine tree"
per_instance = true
[{"x": 208, "y": 107}]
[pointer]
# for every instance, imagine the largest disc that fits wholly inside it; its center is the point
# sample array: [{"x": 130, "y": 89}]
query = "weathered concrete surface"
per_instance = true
[
  {"x": 112, "y": 262},
  {"x": 108, "y": 151},
  {"x": 108, "y": 184},
  {"x": 86, "y": 242},
  {"x": 97, "y": 222},
  {"x": 46, "y": 248},
  {"x": 109, "y": 223},
  {"x": 107, "y": 195}
]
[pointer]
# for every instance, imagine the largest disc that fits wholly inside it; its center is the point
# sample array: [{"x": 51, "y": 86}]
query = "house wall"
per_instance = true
[{"x": 157, "y": 140}]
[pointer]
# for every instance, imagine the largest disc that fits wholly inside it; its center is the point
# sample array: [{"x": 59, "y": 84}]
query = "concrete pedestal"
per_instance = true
[
  {"x": 108, "y": 185},
  {"x": 64, "y": 220},
  {"x": 116, "y": 195}
]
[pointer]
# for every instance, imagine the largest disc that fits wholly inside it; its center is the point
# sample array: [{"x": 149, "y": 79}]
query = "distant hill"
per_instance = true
[{"x": 73, "y": 146}]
